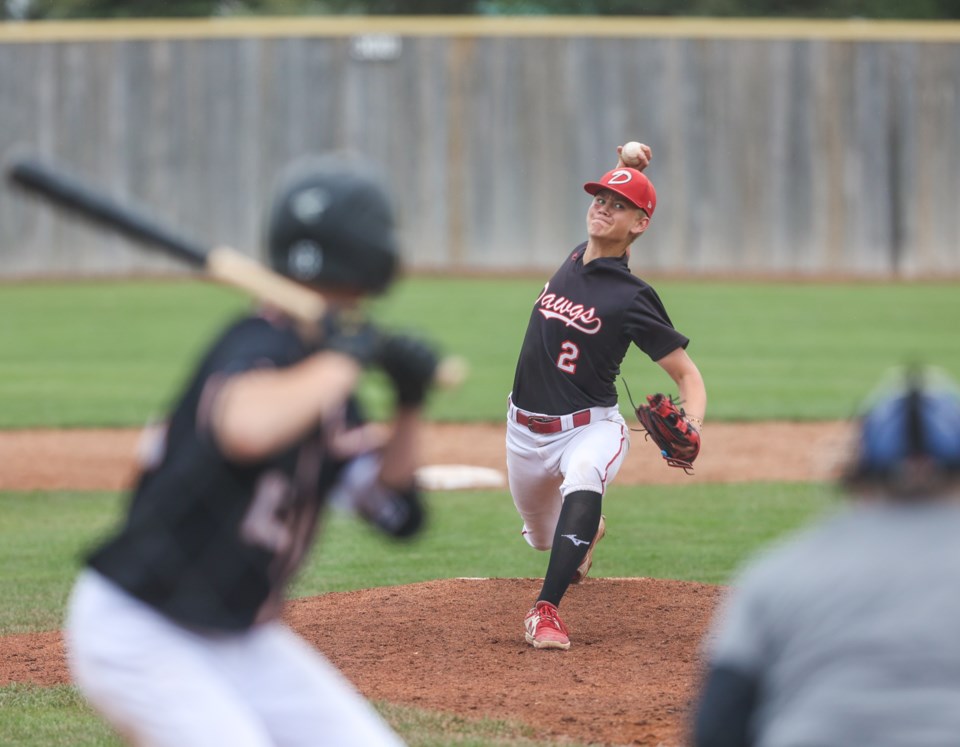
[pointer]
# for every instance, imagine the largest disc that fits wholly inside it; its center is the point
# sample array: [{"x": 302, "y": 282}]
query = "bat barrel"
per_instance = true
[{"x": 68, "y": 192}]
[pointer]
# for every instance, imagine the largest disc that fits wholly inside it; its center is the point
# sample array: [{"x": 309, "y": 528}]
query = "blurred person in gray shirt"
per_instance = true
[{"x": 848, "y": 632}]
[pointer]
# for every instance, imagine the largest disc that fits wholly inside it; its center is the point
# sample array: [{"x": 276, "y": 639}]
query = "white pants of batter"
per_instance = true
[
  {"x": 542, "y": 468},
  {"x": 161, "y": 684}
]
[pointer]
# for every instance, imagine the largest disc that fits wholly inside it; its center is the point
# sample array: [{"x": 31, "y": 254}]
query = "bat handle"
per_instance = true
[{"x": 231, "y": 267}]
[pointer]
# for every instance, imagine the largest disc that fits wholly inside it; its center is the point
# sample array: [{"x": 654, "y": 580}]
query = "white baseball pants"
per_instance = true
[
  {"x": 542, "y": 468},
  {"x": 162, "y": 685}
]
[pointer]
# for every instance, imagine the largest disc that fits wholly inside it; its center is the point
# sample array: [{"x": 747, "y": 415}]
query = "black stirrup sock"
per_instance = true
[{"x": 578, "y": 523}]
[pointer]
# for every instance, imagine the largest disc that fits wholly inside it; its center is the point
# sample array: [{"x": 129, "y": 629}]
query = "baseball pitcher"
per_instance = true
[{"x": 566, "y": 439}]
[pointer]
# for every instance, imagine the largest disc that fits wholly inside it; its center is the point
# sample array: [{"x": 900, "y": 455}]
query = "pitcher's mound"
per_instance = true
[{"x": 457, "y": 646}]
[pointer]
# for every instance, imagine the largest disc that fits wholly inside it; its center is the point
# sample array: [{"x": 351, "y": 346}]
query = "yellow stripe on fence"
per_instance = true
[{"x": 480, "y": 26}]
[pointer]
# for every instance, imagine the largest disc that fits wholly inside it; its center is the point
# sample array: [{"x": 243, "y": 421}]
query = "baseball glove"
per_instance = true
[{"x": 669, "y": 428}]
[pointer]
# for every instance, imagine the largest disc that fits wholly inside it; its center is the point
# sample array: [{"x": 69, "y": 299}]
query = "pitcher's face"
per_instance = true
[{"x": 613, "y": 218}]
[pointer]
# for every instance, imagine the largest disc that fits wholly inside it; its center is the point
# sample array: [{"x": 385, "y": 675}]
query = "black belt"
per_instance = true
[{"x": 551, "y": 425}]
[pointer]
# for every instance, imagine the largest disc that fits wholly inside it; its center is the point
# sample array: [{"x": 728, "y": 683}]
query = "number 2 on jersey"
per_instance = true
[{"x": 567, "y": 360}]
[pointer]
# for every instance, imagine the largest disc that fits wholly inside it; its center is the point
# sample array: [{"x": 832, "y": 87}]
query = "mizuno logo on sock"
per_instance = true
[{"x": 575, "y": 540}]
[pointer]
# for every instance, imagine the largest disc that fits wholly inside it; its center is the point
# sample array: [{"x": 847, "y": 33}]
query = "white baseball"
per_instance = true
[{"x": 635, "y": 155}]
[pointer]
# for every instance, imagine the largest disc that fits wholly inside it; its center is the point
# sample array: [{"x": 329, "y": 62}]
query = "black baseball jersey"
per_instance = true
[
  {"x": 579, "y": 331},
  {"x": 209, "y": 542}
]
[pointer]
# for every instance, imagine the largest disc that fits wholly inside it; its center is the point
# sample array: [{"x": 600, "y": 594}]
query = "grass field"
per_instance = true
[{"x": 100, "y": 353}]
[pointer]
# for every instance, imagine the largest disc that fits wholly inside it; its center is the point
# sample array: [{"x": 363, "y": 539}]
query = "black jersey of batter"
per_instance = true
[
  {"x": 580, "y": 328},
  {"x": 209, "y": 542}
]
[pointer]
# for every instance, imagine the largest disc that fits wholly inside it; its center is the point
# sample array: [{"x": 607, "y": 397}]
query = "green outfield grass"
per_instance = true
[{"x": 114, "y": 353}]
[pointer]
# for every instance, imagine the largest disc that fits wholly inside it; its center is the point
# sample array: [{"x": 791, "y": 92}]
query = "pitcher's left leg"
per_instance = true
[{"x": 534, "y": 477}]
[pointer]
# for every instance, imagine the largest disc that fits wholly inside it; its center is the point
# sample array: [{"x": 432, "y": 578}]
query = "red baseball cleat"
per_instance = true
[{"x": 544, "y": 628}]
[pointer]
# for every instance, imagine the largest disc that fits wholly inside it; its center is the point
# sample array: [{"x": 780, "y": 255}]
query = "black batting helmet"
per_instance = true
[{"x": 331, "y": 225}]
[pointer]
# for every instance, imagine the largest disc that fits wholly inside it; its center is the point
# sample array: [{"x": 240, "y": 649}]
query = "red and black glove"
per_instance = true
[{"x": 667, "y": 425}]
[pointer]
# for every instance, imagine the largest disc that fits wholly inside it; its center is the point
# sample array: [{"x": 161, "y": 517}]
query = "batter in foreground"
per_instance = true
[
  {"x": 566, "y": 438},
  {"x": 174, "y": 632}
]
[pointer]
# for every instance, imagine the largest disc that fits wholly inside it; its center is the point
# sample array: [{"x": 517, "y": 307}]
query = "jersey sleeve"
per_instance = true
[
  {"x": 253, "y": 343},
  {"x": 649, "y": 326}
]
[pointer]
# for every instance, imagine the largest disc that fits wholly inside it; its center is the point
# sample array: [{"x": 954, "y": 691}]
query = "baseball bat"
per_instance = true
[{"x": 224, "y": 264}]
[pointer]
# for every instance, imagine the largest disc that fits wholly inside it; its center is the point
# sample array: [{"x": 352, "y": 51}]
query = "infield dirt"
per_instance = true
[{"x": 456, "y": 645}]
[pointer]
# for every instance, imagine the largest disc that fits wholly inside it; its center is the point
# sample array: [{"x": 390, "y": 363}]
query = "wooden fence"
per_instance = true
[{"x": 779, "y": 147}]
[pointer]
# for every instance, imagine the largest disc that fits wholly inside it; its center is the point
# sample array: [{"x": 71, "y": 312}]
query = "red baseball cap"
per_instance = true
[{"x": 630, "y": 184}]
